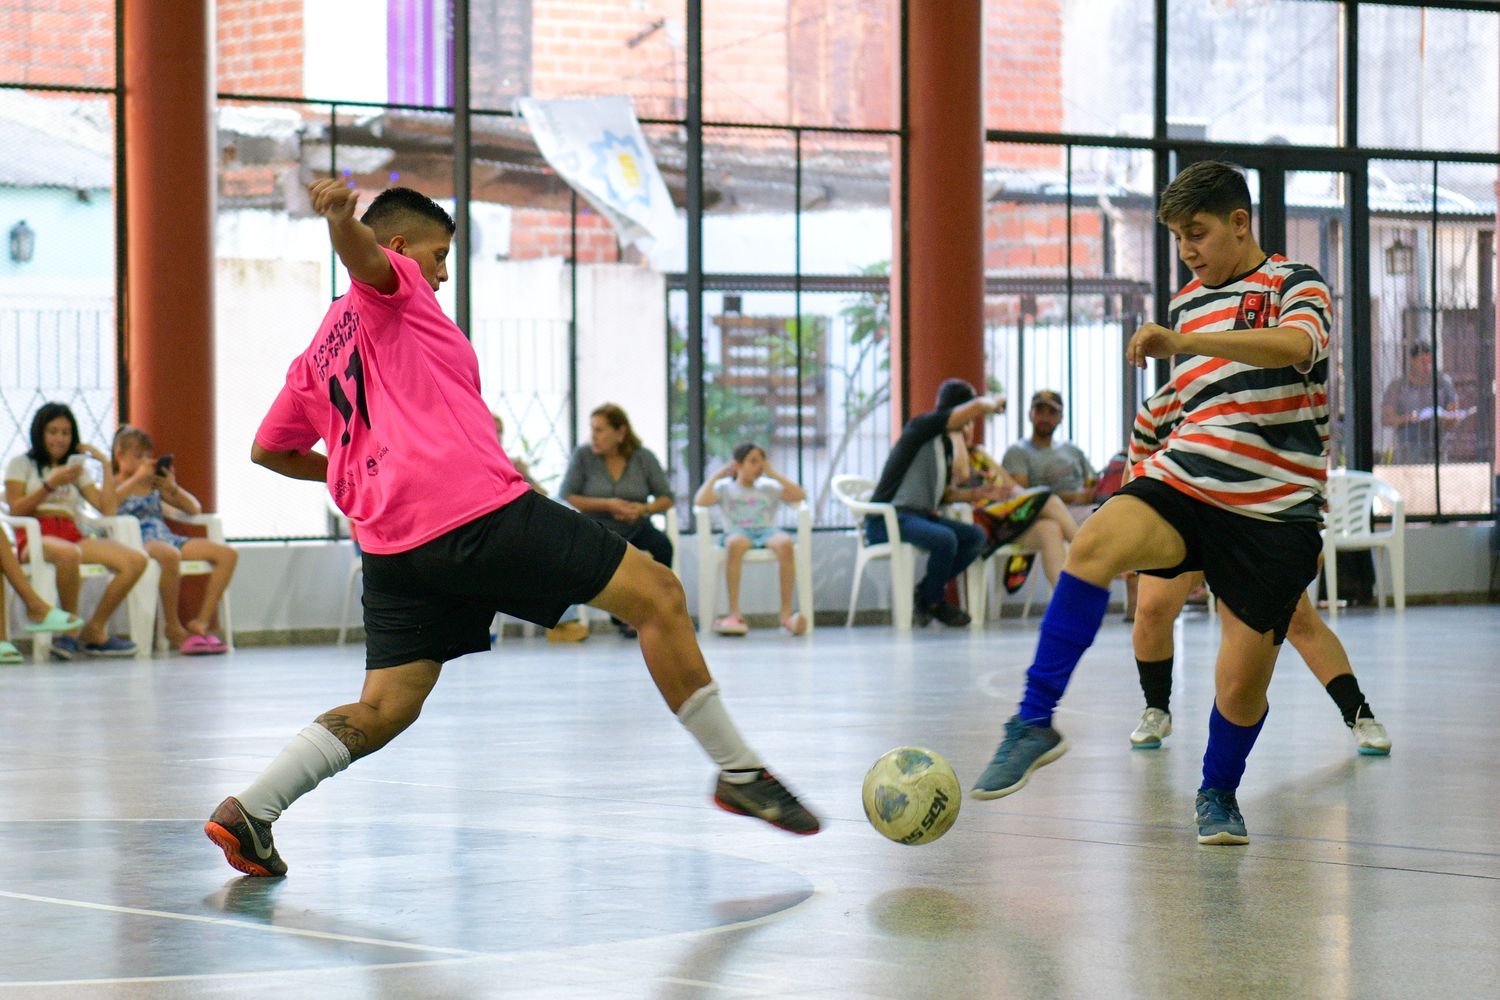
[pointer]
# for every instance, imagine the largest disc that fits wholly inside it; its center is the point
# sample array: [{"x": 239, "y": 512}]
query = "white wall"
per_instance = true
[{"x": 286, "y": 587}]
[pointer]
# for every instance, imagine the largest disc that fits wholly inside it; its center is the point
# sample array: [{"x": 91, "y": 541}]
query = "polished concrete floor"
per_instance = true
[{"x": 544, "y": 830}]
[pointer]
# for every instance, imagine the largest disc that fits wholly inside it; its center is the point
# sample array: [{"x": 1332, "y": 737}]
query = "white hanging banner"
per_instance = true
[{"x": 596, "y": 145}]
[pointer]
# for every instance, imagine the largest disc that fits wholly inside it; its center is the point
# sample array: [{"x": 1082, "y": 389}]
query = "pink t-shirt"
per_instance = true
[{"x": 392, "y": 387}]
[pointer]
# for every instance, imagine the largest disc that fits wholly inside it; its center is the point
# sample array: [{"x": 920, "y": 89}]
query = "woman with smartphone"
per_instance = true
[
  {"x": 50, "y": 482},
  {"x": 148, "y": 491}
]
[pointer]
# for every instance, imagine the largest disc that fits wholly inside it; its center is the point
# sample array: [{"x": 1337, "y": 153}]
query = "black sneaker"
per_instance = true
[
  {"x": 921, "y": 611},
  {"x": 245, "y": 840},
  {"x": 768, "y": 799},
  {"x": 951, "y": 615}
]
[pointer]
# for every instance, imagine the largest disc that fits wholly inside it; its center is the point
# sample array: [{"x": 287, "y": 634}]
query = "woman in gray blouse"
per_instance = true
[{"x": 619, "y": 483}]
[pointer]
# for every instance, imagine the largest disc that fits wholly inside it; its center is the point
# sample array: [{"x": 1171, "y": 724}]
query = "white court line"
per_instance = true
[
  {"x": 136, "y": 911},
  {"x": 820, "y": 887}
]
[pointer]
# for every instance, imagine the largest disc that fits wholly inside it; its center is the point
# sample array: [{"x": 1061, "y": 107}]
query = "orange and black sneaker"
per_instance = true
[
  {"x": 245, "y": 840},
  {"x": 765, "y": 798}
]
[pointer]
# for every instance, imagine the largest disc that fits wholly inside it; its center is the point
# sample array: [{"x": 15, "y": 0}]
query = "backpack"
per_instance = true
[{"x": 1111, "y": 479}]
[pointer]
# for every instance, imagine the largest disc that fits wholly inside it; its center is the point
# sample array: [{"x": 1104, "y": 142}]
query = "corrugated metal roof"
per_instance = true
[{"x": 59, "y": 142}]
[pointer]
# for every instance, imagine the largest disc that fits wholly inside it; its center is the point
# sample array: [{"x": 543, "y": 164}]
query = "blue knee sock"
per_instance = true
[
  {"x": 1068, "y": 628},
  {"x": 1228, "y": 749}
]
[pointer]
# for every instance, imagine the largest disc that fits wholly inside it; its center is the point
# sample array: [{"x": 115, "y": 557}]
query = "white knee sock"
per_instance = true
[
  {"x": 704, "y": 716},
  {"x": 312, "y": 755}
]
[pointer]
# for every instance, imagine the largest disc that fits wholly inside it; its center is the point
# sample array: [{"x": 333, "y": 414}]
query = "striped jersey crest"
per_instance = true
[{"x": 1251, "y": 440}]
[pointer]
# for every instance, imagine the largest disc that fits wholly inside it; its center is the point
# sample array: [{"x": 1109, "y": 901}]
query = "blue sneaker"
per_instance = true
[
  {"x": 1024, "y": 749},
  {"x": 64, "y": 647},
  {"x": 1219, "y": 819},
  {"x": 112, "y": 646}
]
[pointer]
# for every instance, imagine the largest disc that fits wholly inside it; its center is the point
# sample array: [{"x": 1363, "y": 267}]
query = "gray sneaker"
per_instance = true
[
  {"x": 1370, "y": 738},
  {"x": 1219, "y": 819},
  {"x": 1024, "y": 749},
  {"x": 765, "y": 798},
  {"x": 1155, "y": 726}
]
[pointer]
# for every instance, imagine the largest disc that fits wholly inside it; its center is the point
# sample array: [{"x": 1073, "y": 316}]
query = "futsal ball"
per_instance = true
[{"x": 911, "y": 796}]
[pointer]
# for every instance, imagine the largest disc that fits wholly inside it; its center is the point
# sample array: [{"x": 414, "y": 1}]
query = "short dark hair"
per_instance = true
[
  {"x": 48, "y": 413},
  {"x": 400, "y": 211},
  {"x": 1419, "y": 347},
  {"x": 953, "y": 393},
  {"x": 743, "y": 449},
  {"x": 1207, "y": 186}
]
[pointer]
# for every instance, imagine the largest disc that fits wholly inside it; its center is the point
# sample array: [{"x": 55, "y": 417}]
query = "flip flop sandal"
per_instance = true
[
  {"x": 10, "y": 654},
  {"x": 56, "y": 620},
  {"x": 202, "y": 645}
]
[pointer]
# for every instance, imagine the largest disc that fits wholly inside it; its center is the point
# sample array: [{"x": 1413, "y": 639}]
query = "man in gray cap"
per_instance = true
[{"x": 1041, "y": 461}]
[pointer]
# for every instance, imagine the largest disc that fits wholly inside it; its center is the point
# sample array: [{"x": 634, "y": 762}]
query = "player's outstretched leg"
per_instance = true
[
  {"x": 1241, "y": 677},
  {"x": 1158, "y": 603},
  {"x": 1326, "y": 657},
  {"x": 649, "y": 597},
  {"x": 1125, "y": 534},
  {"x": 390, "y": 702}
]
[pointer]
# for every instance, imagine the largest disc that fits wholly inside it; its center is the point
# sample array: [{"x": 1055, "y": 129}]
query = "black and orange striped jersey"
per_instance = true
[{"x": 1251, "y": 440}]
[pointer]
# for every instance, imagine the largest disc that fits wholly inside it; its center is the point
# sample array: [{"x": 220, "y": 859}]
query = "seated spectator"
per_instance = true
[
  {"x": 50, "y": 483},
  {"x": 1043, "y": 461},
  {"x": 748, "y": 493},
  {"x": 521, "y": 466},
  {"x": 1033, "y": 518},
  {"x": 916, "y": 481},
  {"x": 149, "y": 492},
  {"x": 618, "y": 482},
  {"x": 1418, "y": 404},
  {"x": 40, "y": 616}
]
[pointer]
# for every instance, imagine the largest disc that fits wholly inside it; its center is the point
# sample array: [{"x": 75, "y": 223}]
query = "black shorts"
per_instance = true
[
  {"x": 1258, "y": 569},
  {"x": 532, "y": 558}
]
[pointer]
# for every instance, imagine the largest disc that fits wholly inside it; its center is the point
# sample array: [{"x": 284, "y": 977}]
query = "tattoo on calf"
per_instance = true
[{"x": 354, "y": 739}]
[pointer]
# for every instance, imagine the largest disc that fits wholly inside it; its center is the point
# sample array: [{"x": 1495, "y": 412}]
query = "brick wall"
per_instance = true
[
  {"x": 58, "y": 42},
  {"x": 260, "y": 47},
  {"x": 542, "y": 233},
  {"x": 1023, "y": 68},
  {"x": 582, "y": 47}
]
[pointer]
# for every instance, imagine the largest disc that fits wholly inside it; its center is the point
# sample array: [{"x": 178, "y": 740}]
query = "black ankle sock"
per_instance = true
[
  {"x": 1345, "y": 692},
  {"x": 1156, "y": 682}
]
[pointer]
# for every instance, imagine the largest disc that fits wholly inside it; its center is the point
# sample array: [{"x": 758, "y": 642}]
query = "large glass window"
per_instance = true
[
  {"x": 1432, "y": 267},
  {"x": 1428, "y": 78},
  {"x": 797, "y": 251},
  {"x": 1042, "y": 66},
  {"x": 1068, "y": 257},
  {"x": 1260, "y": 71},
  {"x": 802, "y": 62},
  {"x": 67, "y": 43},
  {"x": 58, "y": 327}
]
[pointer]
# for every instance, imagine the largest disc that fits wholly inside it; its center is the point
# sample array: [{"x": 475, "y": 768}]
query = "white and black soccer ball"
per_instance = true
[{"x": 911, "y": 796}]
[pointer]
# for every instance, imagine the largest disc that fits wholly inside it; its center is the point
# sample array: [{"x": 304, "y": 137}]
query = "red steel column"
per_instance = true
[
  {"x": 944, "y": 257},
  {"x": 169, "y": 212}
]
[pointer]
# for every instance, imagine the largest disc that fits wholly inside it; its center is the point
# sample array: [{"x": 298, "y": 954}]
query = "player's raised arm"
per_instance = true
[{"x": 353, "y": 241}]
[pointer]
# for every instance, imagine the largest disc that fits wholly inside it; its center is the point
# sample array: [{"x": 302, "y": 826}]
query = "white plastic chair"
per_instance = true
[
  {"x": 711, "y": 560},
  {"x": 1349, "y": 527},
  {"x": 854, "y": 493},
  {"x": 983, "y": 585},
  {"x": 670, "y": 529},
  {"x": 140, "y": 604},
  {"x": 213, "y": 528}
]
